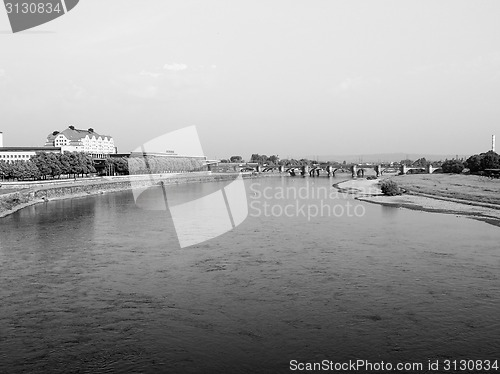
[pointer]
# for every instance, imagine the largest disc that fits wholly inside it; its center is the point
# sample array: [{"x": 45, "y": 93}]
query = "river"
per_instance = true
[{"x": 98, "y": 285}]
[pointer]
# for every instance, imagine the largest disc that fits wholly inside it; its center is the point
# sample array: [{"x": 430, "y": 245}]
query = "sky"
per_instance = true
[{"x": 285, "y": 77}]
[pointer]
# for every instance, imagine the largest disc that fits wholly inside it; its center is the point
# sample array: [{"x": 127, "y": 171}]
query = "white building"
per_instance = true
[
  {"x": 11, "y": 154},
  {"x": 76, "y": 140}
]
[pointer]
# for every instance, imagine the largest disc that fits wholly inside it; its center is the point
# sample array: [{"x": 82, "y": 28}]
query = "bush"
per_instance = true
[{"x": 390, "y": 188}]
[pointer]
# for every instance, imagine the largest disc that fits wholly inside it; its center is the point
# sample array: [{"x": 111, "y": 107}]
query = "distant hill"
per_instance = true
[{"x": 384, "y": 157}]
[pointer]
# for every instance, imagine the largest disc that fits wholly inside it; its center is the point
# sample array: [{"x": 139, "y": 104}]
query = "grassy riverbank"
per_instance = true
[
  {"x": 470, "y": 188},
  {"x": 465, "y": 195}
]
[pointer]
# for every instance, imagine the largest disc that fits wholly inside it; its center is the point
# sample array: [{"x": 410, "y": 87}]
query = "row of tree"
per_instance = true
[
  {"x": 71, "y": 164},
  {"x": 116, "y": 166},
  {"x": 477, "y": 164},
  {"x": 275, "y": 160},
  {"x": 48, "y": 165},
  {"x": 271, "y": 160},
  {"x": 68, "y": 163},
  {"x": 158, "y": 165},
  {"x": 19, "y": 169},
  {"x": 421, "y": 162},
  {"x": 483, "y": 161}
]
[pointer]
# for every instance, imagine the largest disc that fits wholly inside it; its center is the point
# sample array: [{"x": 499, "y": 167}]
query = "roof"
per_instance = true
[
  {"x": 76, "y": 134},
  {"x": 28, "y": 149}
]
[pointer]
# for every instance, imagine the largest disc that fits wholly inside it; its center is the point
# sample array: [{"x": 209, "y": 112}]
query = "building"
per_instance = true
[
  {"x": 88, "y": 141},
  {"x": 11, "y": 154}
]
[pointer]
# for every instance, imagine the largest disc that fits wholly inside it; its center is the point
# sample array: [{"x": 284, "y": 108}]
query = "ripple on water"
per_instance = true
[{"x": 115, "y": 293}]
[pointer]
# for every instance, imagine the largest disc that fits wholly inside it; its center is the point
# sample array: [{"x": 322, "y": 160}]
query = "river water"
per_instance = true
[{"x": 97, "y": 284}]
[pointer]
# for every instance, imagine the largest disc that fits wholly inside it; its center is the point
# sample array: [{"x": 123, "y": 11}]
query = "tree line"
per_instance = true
[
  {"x": 477, "y": 164},
  {"x": 269, "y": 160},
  {"x": 158, "y": 165},
  {"x": 48, "y": 165},
  {"x": 45, "y": 165}
]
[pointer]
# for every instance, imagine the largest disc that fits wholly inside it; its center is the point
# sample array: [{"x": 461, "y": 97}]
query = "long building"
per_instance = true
[{"x": 11, "y": 154}]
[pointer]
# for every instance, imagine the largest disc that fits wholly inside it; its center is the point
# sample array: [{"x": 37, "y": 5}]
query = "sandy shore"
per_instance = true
[
  {"x": 360, "y": 187},
  {"x": 369, "y": 191}
]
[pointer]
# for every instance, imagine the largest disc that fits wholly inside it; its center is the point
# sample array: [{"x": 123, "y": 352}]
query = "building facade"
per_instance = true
[
  {"x": 12, "y": 154},
  {"x": 77, "y": 140}
]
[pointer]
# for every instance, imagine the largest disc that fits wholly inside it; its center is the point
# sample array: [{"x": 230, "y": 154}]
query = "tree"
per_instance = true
[
  {"x": 261, "y": 159},
  {"x": 32, "y": 171},
  {"x": 453, "y": 166},
  {"x": 65, "y": 163},
  {"x": 490, "y": 160},
  {"x": 54, "y": 163},
  {"x": 5, "y": 169},
  {"x": 121, "y": 166},
  {"x": 273, "y": 159},
  {"x": 473, "y": 163},
  {"x": 236, "y": 159},
  {"x": 75, "y": 162},
  {"x": 483, "y": 161},
  {"x": 42, "y": 163},
  {"x": 421, "y": 162}
]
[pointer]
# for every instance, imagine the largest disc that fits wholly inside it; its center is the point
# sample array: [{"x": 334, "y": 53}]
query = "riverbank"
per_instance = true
[
  {"x": 25, "y": 195},
  {"x": 464, "y": 195}
]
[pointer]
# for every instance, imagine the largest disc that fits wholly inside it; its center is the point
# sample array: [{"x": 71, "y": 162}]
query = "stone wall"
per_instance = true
[{"x": 10, "y": 202}]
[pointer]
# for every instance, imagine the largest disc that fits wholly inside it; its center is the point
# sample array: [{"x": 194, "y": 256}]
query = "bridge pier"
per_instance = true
[
  {"x": 403, "y": 169},
  {"x": 354, "y": 171},
  {"x": 305, "y": 170},
  {"x": 281, "y": 168},
  {"x": 430, "y": 169},
  {"x": 258, "y": 169},
  {"x": 329, "y": 170},
  {"x": 378, "y": 170}
]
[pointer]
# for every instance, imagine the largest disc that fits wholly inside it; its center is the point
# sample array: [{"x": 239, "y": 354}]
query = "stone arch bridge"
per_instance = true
[{"x": 356, "y": 170}]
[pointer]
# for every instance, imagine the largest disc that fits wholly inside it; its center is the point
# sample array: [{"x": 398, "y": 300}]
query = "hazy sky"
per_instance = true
[{"x": 284, "y": 77}]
